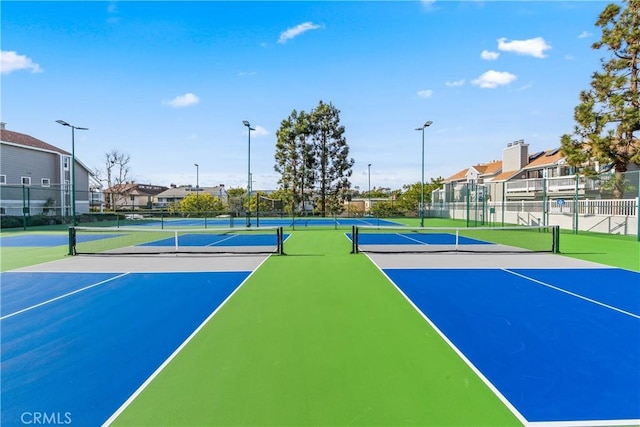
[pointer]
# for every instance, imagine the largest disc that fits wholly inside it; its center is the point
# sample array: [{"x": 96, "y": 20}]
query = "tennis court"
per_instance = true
[
  {"x": 322, "y": 337},
  {"x": 301, "y": 222}
]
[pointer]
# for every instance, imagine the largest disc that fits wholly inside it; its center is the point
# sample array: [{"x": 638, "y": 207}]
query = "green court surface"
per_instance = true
[{"x": 318, "y": 337}]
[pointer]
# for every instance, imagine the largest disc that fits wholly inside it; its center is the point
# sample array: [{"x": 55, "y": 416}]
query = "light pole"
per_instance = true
[
  {"x": 426, "y": 125},
  {"x": 73, "y": 167},
  {"x": 197, "y": 186},
  {"x": 197, "y": 177},
  {"x": 249, "y": 129},
  {"x": 369, "y": 193}
]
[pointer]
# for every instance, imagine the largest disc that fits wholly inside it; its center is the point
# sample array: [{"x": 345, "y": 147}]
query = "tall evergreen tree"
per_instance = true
[
  {"x": 287, "y": 157},
  {"x": 294, "y": 157},
  {"x": 608, "y": 116},
  {"x": 331, "y": 153}
]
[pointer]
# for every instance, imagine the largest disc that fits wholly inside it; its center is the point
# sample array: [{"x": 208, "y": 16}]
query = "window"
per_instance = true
[
  {"x": 45, "y": 182},
  {"x": 3, "y": 179},
  {"x": 26, "y": 180},
  {"x": 3, "y": 211},
  {"x": 65, "y": 163}
]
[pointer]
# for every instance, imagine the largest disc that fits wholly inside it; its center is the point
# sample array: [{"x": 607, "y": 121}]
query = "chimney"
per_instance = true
[
  {"x": 515, "y": 156},
  {"x": 2, "y": 125}
]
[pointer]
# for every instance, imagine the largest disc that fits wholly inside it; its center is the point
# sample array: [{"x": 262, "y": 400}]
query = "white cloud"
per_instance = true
[
  {"x": 584, "y": 35},
  {"x": 297, "y": 30},
  {"x": 455, "y": 83},
  {"x": 182, "y": 101},
  {"x": 10, "y": 61},
  {"x": 532, "y": 47},
  {"x": 426, "y": 93},
  {"x": 247, "y": 73},
  {"x": 489, "y": 56},
  {"x": 492, "y": 79},
  {"x": 569, "y": 57}
]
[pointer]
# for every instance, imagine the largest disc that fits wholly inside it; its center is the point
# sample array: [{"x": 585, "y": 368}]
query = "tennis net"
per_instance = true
[
  {"x": 143, "y": 240},
  {"x": 451, "y": 239}
]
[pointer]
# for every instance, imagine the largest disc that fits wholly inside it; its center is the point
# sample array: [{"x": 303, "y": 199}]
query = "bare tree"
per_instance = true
[{"x": 116, "y": 175}]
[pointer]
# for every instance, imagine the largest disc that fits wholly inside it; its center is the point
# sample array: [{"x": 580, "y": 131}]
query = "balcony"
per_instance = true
[{"x": 554, "y": 185}]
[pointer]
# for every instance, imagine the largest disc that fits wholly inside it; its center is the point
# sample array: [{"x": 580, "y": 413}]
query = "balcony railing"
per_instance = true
[{"x": 557, "y": 184}]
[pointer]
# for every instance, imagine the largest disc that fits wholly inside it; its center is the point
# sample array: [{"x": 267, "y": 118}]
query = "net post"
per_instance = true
[
  {"x": 175, "y": 239},
  {"x": 72, "y": 241},
  {"x": 556, "y": 239},
  {"x": 280, "y": 234},
  {"x": 354, "y": 239}
]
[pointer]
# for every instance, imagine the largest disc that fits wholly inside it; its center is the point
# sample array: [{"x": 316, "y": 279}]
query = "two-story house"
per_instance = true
[{"x": 36, "y": 177}]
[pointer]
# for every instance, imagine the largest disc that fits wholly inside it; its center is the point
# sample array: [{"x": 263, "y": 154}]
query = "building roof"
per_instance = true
[
  {"x": 28, "y": 141},
  {"x": 458, "y": 176},
  {"x": 135, "y": 189},
  {"x": 489, "y": 168},
  {"x": 549, "y": 157},
  {"x": 505, "y": 176},
  {"x": 483, "y": 169}
]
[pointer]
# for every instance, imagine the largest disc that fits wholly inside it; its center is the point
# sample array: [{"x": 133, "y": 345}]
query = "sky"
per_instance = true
[{"x": 170, "y": 83}]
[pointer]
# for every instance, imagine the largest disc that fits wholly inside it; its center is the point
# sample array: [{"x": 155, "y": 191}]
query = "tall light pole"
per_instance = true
[
  {"x": 426, "y": 125},
  {"x": 249, "y": 129},
  {"x": 369, "y": 193},
  {"x": 73, "y": 167},
  {"x": 197, "y": 177},
  {"x": 197, "y": 183}
]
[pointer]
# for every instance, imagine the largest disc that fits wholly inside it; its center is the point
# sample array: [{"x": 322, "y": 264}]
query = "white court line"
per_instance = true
[
  {"x": 572, "y": 293},
  {"x": 63, "y": 296},
  {"x": 412, "y": 239},
  {"x": 223, "y": 240},
  {"x": 148, "y": 381}
]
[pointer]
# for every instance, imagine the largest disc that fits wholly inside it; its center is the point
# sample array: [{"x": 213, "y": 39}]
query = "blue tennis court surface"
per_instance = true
[
  {"x": 48, "y": 240},
  {"x": 559, "y": 345},
  {"x": 415, "y": 239},
  {"x": 220, "y": 240},
  {"x": 79, "y": 344}
]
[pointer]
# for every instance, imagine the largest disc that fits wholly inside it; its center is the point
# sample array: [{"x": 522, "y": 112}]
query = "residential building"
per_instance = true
[
  {"x": 36, "y": 177},
  {"x": 519, "y": 176},
  {"x": 132, "y": 195},
  {"x": 175, "y": 194}
]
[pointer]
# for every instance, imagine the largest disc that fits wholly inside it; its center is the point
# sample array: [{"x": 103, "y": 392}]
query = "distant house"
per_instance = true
[
  {"x": 35, "y": 177},
  {"x": 132, "y": 195},
  {"x": 175, "y": 194}
]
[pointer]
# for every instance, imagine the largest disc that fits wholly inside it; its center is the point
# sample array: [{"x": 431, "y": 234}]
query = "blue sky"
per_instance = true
[{"x": 169, "y": 83}]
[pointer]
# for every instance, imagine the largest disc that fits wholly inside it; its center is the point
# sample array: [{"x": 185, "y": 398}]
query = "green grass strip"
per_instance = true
[{"x": 317, "y": 338}]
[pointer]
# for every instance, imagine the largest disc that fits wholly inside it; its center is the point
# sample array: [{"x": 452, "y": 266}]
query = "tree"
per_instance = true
[
  {"x": 331, "y": 151},
  {"x": 201, "y": 204},
  {"x": 294, "y": 157},
  {"x": 409, "y": 200},
  {"x": 116, "y": 175},
  {"x": 608, "y": 115},
  {"x": 237, "y": 199}
]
